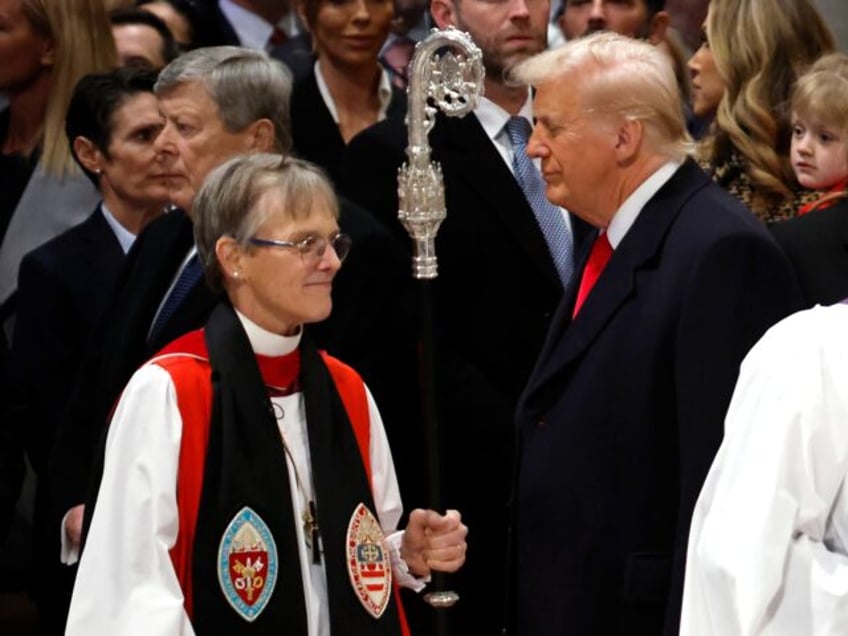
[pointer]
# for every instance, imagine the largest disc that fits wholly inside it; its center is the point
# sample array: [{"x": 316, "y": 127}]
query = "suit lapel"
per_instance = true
[
  {"x": 616, "y": 284},
  {"x": 101, "y": 247},
  {"x": 468, "y": 153}
]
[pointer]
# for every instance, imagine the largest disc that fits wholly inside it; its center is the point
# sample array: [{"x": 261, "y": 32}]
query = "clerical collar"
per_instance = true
[{"x": 267, "y": 343}]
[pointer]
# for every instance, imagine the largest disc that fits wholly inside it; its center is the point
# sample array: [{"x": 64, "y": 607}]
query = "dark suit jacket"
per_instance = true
[
  {"x": 63, "y": 290},
  {"x": 817, "y": 245},
  {"x": 121, "y": 345},
  {"x": 213, "y": 29},
  {"x": 315, "y": 135},
  {"x": 495, "y": 294},
  {"x": 623, "y": 413}
]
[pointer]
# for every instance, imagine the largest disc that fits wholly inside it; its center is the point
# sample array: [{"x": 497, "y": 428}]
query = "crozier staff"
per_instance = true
[{"x": 248, "y": 486}]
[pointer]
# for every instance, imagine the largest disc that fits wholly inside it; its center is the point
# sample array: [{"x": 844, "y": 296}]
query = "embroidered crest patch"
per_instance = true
[
  {"x": 247, "y": 564},
  {"x": 368, "y": 562}
]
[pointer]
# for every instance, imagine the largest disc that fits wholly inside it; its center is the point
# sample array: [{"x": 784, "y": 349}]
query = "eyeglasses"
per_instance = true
[{"x": 311, "y": 248}]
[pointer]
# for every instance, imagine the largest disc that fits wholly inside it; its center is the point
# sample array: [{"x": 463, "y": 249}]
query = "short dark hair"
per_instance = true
[
  {"x": 124, "y": 17},
  {"x": 654, "y": 6},
  {"x": 96, "y": 98},
  {"x": 201, "y": 24}
]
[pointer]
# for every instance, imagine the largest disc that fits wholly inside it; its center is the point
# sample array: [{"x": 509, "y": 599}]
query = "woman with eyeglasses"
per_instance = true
[{"x": 248, "y": 485}]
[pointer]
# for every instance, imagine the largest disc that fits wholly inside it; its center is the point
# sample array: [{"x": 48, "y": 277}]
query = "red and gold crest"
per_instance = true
[{"x": 368, "y": 562}]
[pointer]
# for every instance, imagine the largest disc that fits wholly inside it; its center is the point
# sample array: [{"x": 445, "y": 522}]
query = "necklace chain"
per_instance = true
[{"x": 310, "y": 517}]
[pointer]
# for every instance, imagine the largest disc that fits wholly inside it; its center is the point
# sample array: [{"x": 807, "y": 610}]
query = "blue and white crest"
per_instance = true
[{"x": 247, "y": 564}]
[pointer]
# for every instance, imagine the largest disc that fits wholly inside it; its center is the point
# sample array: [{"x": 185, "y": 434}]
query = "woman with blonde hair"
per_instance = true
[
  {"x": 54, "y": 44},
  {"x": 752, "y": 53}
]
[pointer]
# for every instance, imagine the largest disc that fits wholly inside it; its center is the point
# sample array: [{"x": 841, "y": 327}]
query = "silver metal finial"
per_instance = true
[{"x": 447, "y": 74}]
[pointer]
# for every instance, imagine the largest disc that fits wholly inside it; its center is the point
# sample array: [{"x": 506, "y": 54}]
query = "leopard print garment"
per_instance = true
[{"x": 731, "y": 176}]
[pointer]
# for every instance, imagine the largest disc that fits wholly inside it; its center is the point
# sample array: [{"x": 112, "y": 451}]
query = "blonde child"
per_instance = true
[{"x": 819, "y": 149}]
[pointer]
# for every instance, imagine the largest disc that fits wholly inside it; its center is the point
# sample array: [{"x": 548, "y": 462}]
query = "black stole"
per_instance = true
[{"x": 246, "y": 466}]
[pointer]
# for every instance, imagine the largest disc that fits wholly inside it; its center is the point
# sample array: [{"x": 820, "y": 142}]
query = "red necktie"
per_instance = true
[
  {"x": 598, "y": 258},
  {"x": 278, "y": 37}
]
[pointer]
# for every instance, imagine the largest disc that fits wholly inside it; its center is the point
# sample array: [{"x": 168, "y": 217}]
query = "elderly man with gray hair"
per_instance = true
[
  {"x": 623, "y": 413},
  {"x": 218, "y": 103}
]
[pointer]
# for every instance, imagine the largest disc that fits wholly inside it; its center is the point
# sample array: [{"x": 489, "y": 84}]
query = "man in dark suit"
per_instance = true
[
  {"x": 497, "y": 288},
  {"x": 623, "y": 412},
  {"x": 265, "y": 25},
  {"x": 217, "y": 103}
]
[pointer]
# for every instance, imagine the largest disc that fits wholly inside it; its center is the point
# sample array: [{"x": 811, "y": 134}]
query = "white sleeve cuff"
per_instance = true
[
  {"x": 400, "y": 570},
  {"x": 69, "y": 553}
]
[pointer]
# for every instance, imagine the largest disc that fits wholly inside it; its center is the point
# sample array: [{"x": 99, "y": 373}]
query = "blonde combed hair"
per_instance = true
[
  {"x": 84, "y": 44},
  {"x": 620, "y": 76},
  {"x": 821, "y": 94},
  {"x": 760, "y": 47}
]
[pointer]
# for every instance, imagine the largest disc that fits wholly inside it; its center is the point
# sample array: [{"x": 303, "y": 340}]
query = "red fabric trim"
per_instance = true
[
  {"x": 193, "y": 385},
  {"x": 820, "y": 204},
  {"x": 355, "y": 400}
]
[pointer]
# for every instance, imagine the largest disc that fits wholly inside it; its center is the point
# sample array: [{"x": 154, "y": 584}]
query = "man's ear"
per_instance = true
[
  {"x": 261, "y": 136},
  {"x": 629, "y": 135},
  {"x": 659, "y": 25},
  {"x": 444, "y": 13},
  {"x": 88, "y": 154}
]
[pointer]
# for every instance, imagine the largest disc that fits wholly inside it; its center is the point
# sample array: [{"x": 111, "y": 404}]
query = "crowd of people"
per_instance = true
[{"x": 211, "y": 348}]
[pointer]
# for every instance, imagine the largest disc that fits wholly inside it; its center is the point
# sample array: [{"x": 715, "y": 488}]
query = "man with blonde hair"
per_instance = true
[{"x": 622, "y": 414}]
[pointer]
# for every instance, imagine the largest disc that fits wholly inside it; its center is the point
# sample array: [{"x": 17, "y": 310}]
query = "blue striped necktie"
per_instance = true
[
  {"x": 550, "y": 218},
  {"x": 187, "y": 280}
]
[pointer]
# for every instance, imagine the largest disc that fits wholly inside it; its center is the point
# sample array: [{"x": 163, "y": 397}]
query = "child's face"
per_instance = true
[{"x": 819, "y": 154}]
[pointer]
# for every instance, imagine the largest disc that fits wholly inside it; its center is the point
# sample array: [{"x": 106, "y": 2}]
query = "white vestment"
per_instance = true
[
  {"x": 767, "y": 549},
  {"x": 126, "y": 583}
]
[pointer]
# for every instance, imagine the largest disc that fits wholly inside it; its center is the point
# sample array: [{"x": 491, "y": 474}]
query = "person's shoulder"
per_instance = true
[
  {"x": 832, "y": 217},
  {"x": 809, "y": 334},
  {"x": 171, "y": 226},
  {"x": 343, "y": 373},
  {"x": 387, "y": 134},
  {"x": 58, "y": 251}
]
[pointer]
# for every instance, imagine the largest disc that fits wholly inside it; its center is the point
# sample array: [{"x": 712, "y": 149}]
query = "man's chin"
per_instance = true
[{"x": 182, "y": 200}]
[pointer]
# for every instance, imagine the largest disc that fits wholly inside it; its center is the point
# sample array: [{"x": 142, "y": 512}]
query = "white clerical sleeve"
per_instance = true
[
  {"x": 767, "y": 544},
  {"x": 126, "y": 584}
]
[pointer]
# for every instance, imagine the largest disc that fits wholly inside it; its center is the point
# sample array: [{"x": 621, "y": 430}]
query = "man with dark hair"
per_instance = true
[
  {"x": 646, "y": 19},
  {"x": 142, "y": 39}
]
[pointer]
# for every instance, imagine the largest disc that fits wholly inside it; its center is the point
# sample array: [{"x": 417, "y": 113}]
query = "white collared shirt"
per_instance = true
[
  {"x": 384, "y": 93},
  {"x": 629, "y": 211},
  {"x": 124, "y": 236},
  {"x": 252, "y": 30}
]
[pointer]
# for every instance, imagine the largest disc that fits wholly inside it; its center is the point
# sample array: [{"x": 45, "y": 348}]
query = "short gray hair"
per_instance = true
[
  {"x": 619, "y": 76},
  {"x": 226, "y": 204},
  {"x": 246, "y": 86}
]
